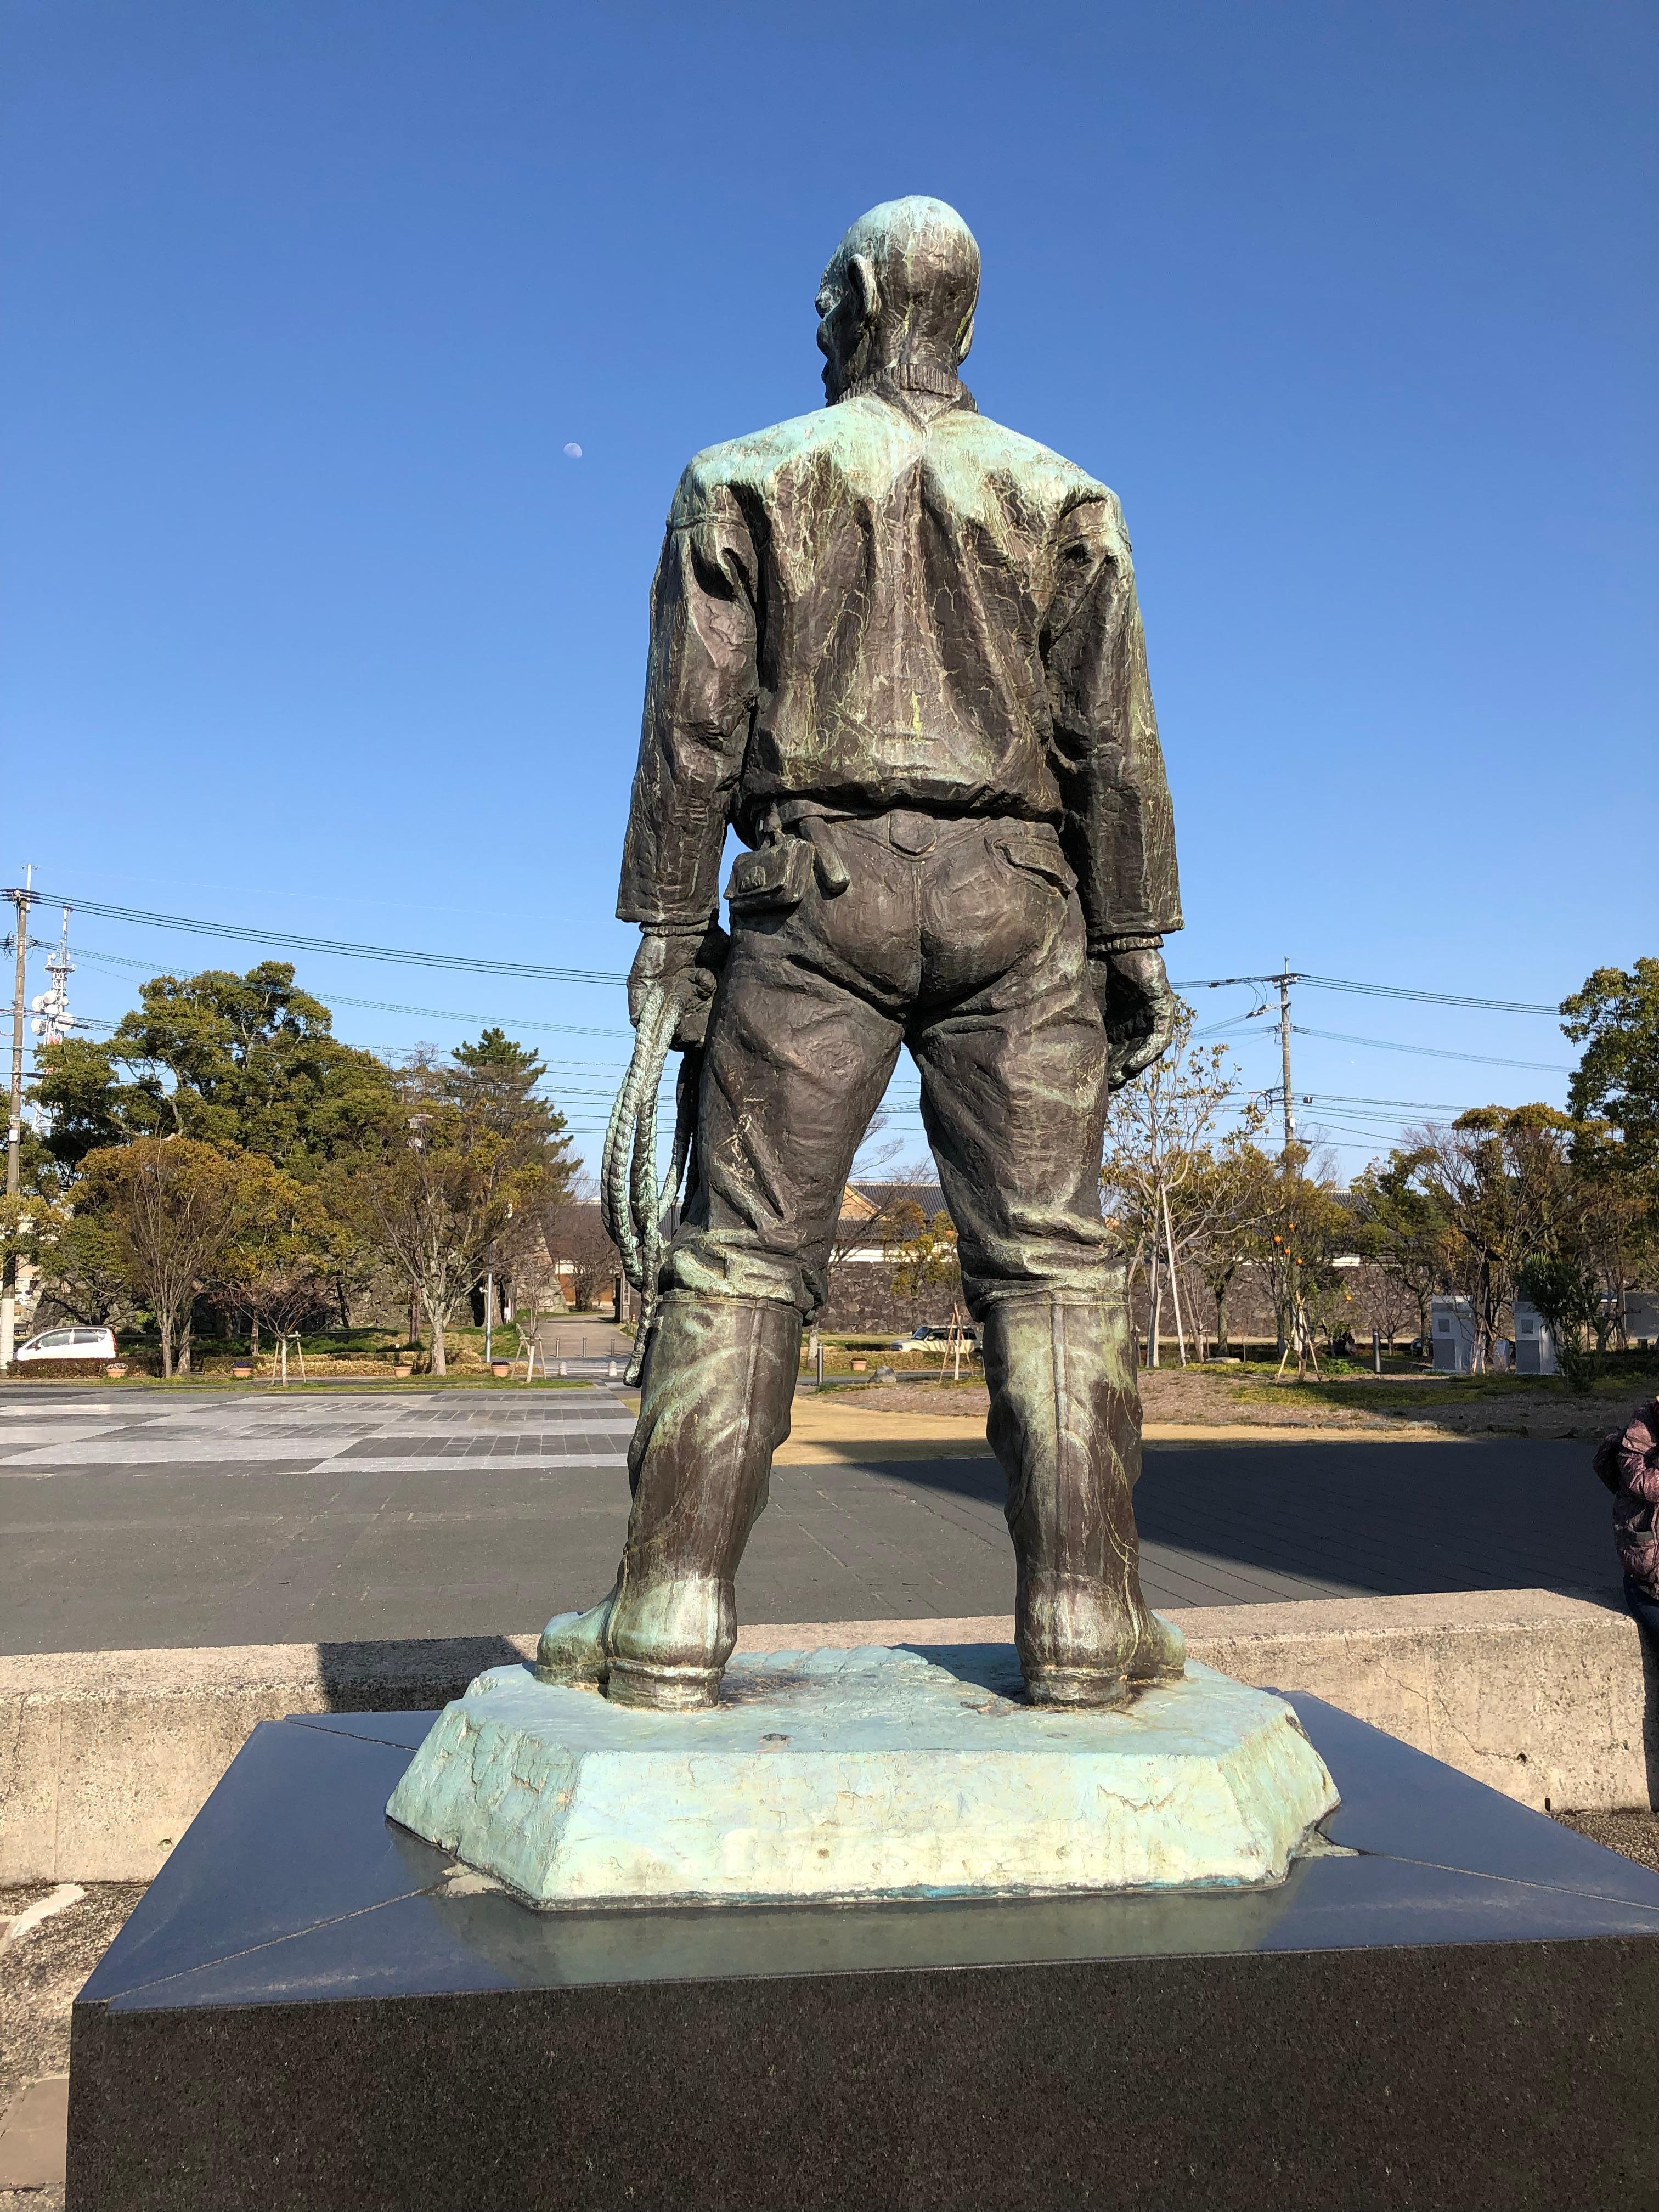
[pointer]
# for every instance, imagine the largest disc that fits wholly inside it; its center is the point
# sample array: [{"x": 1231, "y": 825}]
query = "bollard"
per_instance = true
[{"x": 564, "y": 1370}]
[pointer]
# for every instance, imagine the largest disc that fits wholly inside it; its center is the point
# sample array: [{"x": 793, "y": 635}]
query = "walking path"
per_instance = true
[{"x": 145, "y": 1519}]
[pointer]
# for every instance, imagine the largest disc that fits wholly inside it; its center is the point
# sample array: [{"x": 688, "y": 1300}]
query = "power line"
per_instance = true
[
  {"x": 1373, "y": 991},
  {"x": 1428, "y": 998},
  {"x": 338, "y": 948},
  {"x": 1345, "y": 1098},
  {"x": 1435, "y": 1052},
  {"x": 346, "y": 949},
  {"x": 390, "y": 1006}
]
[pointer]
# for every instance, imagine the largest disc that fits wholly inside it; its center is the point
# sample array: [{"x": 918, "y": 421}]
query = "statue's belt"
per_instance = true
[{"x": 776, "y": 873}]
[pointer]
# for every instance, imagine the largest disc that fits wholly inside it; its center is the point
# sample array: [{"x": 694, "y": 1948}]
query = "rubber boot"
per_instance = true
[
  {"x": 1066, "y": 1424},
  {"x": 573, "y": 1647},
  {"x": 719, "y": 1383}
]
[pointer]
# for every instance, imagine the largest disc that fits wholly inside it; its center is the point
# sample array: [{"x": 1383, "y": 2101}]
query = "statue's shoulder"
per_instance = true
[
  {"x": 756, "y": 461},
  {"x": 1041, "y": 474}
]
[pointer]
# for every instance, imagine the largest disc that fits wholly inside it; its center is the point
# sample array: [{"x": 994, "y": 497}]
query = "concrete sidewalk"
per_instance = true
[
  {"x": 106, "y": 1757},
  {"x": 147, "y": 1520}
]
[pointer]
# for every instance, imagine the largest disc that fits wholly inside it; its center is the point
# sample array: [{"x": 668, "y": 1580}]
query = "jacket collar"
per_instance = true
[{"x": 893, "y": 382}]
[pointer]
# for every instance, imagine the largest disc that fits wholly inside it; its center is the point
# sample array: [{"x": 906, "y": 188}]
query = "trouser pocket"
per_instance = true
[{"x": 1033, "y": 854}]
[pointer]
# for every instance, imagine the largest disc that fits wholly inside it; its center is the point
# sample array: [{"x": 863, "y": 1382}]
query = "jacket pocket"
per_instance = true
[
  {"x": 1038, "y": 856},
  {"x": 772, "y": 879}
]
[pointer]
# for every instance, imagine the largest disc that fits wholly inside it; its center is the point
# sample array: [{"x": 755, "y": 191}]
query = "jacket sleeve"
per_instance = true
[
  {"x": 1639, "y": 1463},
  {"x": 1119, "y": 827},
  {"x": 700, "y": 689}
]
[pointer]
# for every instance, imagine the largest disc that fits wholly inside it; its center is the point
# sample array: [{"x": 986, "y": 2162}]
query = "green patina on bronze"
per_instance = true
[
  {"x": 894, "y": 603},
  {"x": 898, "y": 648}
]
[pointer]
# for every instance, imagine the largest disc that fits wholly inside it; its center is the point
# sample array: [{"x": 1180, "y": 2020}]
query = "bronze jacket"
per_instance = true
[{"x": 870, "y": 608}]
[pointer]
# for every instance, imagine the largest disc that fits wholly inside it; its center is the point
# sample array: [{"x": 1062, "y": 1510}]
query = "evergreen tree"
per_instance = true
[{"x": 243, "y": 1060}]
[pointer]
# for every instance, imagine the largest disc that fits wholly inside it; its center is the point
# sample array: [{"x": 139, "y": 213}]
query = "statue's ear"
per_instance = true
[
  {"x": 965, "y": 342},
  {"x": 861, "y": 270}
]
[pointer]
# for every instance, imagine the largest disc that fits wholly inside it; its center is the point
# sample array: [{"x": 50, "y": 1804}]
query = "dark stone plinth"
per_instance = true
[{"x": 311, "y": 2009}]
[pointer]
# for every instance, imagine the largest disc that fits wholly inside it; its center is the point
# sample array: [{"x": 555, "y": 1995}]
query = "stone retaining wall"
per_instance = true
[{"x": 106, "y": 1757}]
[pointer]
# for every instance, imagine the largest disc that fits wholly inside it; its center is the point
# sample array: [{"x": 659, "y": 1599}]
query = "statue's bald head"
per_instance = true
[{"x": 899, "y": 292}]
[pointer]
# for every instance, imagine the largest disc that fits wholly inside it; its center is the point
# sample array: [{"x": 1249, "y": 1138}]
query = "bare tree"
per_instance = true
[
  {"x": 1386, "y": 1300},
  {"x": 861, "y": 1238},
  {"x": 574, "y": 1233},
  {"x": 1179, "y": 1176},
  {"x": 173, "y": 1208},
  {"x": 437, "y": 1205}
]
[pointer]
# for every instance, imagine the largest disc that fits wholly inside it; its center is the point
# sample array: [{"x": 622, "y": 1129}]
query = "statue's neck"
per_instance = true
[{"x": 925, "y": 388}]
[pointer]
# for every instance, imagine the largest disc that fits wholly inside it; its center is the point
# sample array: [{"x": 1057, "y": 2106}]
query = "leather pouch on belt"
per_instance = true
[
  {"x": 771, "y": 879},
  {"x": 1039, "y": 856}
]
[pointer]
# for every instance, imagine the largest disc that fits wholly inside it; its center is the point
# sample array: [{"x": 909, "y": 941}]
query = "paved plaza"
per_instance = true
[{"x": 139, "y": 1520}]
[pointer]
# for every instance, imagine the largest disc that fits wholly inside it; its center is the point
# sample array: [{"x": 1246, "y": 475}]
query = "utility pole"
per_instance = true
[
  {"x": 23, "y": 900},
  {"x": 1285, "y": 979},
  {"x": 1299, "y": 1336}
]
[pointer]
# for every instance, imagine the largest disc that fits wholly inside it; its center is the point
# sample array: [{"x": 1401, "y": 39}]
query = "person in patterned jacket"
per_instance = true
[{"x": 1635, "y": 1500}]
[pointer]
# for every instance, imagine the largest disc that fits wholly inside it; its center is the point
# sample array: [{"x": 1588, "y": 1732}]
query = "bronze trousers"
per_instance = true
[
  {"x": 964, "y": 940},
  {"x": 961, "y": 938}
]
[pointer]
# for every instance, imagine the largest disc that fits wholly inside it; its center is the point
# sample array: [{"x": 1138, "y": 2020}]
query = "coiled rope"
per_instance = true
[{"x": 632, "y": 1204}]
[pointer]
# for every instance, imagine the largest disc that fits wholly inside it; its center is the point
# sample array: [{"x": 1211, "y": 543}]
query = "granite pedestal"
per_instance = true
[{"x": 1455, "y": 2005}]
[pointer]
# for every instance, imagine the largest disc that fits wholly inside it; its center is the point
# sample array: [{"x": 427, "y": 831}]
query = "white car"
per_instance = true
[{"x": 69, "y": 1344}]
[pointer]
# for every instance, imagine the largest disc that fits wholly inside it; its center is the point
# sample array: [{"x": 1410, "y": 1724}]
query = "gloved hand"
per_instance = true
[
  {"x": 1138, "y": 1005},
  {"x": 667, "y": 955}
]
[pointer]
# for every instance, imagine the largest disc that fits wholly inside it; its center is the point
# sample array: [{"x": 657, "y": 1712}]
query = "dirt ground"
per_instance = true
[
  {"x": 39, "y": 1975},
  {"x": 1635, "y": 1834},
  {"x": 1223, "y": 1397}
]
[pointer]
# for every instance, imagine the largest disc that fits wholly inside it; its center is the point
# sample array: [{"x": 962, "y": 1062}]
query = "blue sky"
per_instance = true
[{"x": 309, "y": 622}]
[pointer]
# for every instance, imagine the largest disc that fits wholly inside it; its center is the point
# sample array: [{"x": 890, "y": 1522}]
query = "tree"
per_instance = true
[
  {"x": 233, "y": 1060},
  {"x": 1236, "y": 1194},
  {"x": 1309, "y": 1228},
  {"x": 574, "y": 1232},
  {"x": 920, "y": 1255},
  {"x": 1386, "y": 1300},
  {"x": 172, "y": 1207},
  {"x": 1183, "y": 1179},
  {"x": 436, "y": 1202},
  {"x": 498, "y": 1077},
  {"x": 1403, "y": 1229},
  {"x": 1501, "y": 1179},
  {"x": 1614, "y": 1224},
  {"x": 278, "y": 1267},
  {"x": 1568, "y": 1296},
  {"x": 1615, "y": 1017},
  {"x": 33, "y": 1223},
  {"x": 882, "y": 1187},
  {"x": 81, "y": 1267},
  {"x": 495, "y": 1080}
]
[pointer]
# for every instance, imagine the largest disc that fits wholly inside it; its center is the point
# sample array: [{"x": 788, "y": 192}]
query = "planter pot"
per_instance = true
[
  {"x": 115, "y": 1370},
  {"x": 242, "y": 1371},
  {"x": 500, "y": 1369},
  {"x": 403, "y": 1374},
  {"x": 860, "y": 1366}
]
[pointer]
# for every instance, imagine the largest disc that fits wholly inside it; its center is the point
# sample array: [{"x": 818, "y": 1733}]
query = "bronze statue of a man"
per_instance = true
[{"x": 897, "y": 648}]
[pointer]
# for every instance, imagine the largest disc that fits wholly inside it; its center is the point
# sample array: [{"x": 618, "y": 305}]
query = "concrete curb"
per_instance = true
[{"x": 107, "y": 1757}]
